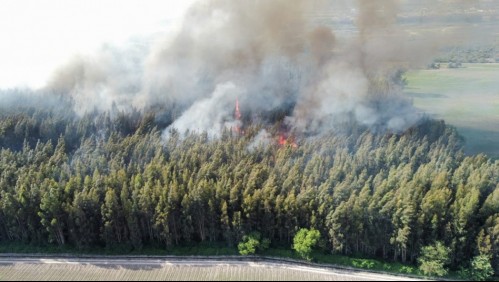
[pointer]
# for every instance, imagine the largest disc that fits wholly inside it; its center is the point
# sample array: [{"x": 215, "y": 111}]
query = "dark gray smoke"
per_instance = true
[{"x": 268, "y": 54}]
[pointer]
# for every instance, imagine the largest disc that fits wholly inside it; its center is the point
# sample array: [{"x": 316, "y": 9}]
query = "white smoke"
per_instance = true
[
  {"x": 271, "y": 55},
  {"x": 262, "y": 139},
  {"x": 210, "y": 115}
]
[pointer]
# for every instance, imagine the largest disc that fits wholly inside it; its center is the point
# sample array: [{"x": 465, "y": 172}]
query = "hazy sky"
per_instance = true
[{"x": 40, "y": 35}]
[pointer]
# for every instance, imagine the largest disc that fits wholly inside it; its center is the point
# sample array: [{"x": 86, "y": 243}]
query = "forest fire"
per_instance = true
[
  {"x": 285, "y": 140},
  {"x": 237, "y": 113},
  {"x": 274, "y": 121},
  {"x": 237, "y": 117},
  {"x": 283, "y": 137}
]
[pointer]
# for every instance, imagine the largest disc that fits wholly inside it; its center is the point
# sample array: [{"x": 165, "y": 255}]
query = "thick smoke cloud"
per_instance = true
[
  {"x": 269, "y": 55},
  {"x": 111, "y": 77},
  {"x": 273, "y": 52}
]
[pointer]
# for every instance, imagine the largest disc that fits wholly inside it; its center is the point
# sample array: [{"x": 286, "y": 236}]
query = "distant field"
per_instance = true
[{"x": 467, "y": 98}]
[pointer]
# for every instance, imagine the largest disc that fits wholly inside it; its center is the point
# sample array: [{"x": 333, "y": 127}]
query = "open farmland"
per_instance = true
[
  {"x": 467, "y": 98},
  {"x": 171, "y": 270}
]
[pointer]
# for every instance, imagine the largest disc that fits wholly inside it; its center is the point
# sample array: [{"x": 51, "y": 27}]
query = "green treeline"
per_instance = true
[{"x": 111, "y": 180}]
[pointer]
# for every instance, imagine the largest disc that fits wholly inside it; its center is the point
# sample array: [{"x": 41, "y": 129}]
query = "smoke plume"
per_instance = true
[{"x": 269, "y": 55}]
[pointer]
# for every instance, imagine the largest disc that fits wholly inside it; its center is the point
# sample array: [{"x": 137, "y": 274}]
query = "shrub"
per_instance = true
[
  {"x": 304, "y": 241},
  {"x": 433, "y": 260},
  {"x": 407, "y": 269},
  {"x": 481, "y": 269},
  {"x": 363, "y": 263},
  {"x": 252, "y": 243}
]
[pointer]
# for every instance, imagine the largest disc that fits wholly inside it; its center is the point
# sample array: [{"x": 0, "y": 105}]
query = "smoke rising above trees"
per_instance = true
[
  {"x": 274, "y": 56},
  {"x": 123, "y": 173}
]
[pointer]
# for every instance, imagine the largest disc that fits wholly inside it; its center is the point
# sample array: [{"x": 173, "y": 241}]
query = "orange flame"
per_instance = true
[
  {"x": 283, "y": 141},
  {"x": 237, "y": 113},
  {"x": 237, "y": 117}
]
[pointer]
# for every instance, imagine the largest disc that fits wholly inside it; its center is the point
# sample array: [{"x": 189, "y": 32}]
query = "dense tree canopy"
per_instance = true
[{"x": 111, "y": 179}]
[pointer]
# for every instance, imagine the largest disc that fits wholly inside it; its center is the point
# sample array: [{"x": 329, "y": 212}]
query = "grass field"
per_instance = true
[{"x": 467, "y": 98}]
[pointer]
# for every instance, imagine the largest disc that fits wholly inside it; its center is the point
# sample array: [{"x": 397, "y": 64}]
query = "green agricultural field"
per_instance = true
[{"x": 467, "y": 98}]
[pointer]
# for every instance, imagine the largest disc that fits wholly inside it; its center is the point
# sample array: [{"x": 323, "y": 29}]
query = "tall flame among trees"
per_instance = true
[
  {"x": 237, "y": 117},
  {"x": 237, "y": 113}
]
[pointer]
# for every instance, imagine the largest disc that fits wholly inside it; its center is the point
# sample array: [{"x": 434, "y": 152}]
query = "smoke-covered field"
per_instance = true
[{"x": 466, "y": 97}]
